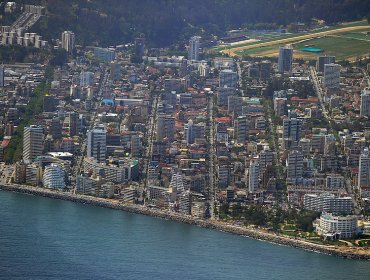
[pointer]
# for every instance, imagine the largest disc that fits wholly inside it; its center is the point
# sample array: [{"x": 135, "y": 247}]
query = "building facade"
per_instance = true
[
  {"x": 285, "y": 60},
  {"x": 97, "y": 143},
  {"x": 33, "y": 143}
]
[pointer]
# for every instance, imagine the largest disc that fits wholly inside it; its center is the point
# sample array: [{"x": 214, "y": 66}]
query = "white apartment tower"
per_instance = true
[
  {"x": 97, "y": 143},
  {"x": 68, "y": 41},
  {"x": 53, "y": 177},
  {"x": 33, "y": 143}
]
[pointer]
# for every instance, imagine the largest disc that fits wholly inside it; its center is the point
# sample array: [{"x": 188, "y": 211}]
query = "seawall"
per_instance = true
[{"x": 340, "y": 251}]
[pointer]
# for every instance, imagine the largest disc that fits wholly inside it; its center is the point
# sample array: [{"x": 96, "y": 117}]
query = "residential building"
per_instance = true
[
  {"x": 125, "y": 172},
  {"x": 165, "y": 127},
  {"x": 291, "y": 132},
  {"x": 86, "y": 78},
  {"x": 68, "y": 41},
  {"x": 223, "y": 95},
  {"x": 332, "y": 227},
  {"x": 136, "y": 146},
  {"x": 2, "y": 76},
  {"x": 280, "y": 106},
  {"x": 285, "y": 60},
  {"x": 139, "y": 47},
  {"x": 253, "y": 175},
  {"x": 365, "y": 103},
  {"x": 334, "y": 181},
  {"x": 322, "y": 60},
  {"x": 54, "y": 177},
  {"x": 33, "y": 142},
  {"x": 97, "y": 143},
  {"x": 364, "y": 170},
  {"x": 241, "y": 129},
  {"x": 294, "y": 167},
  {"x": 105, "y": 54},
  {"x": 193, "y": 131},
  {"x": 328, "y": 203},
  {"x": 228, "y": 78},
  {"x": 194, "y": 45},
  {"x": 332, "y": 76}
]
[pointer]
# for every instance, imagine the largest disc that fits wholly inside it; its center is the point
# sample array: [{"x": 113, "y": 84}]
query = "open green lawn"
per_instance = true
[
  {"x": 356, "y": 35},
  {"x": 286, "y": 36},
  {"x": 342, "y": 48}
]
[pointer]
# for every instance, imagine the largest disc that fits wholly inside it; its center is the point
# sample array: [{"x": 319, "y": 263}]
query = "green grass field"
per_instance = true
[
  {"x": 286, "y": 36},
  {"x": 340, "y": 46},
  {"x": 356, "y": 35},
  {"x": 346, "y": 44}
]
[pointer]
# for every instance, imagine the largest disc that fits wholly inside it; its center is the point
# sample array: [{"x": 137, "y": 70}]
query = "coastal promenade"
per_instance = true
[{"x": 341, "y": 251}]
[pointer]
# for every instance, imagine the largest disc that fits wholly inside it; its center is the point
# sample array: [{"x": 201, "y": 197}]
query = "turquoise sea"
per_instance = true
[{"x": 42, "y": 238}]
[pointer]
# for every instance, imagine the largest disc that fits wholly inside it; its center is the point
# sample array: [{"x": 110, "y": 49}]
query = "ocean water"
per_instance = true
[{"x": 42, "y": 238}]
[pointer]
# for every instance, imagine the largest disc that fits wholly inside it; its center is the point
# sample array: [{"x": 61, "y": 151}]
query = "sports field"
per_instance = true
[{"x": 345, "y": 42}]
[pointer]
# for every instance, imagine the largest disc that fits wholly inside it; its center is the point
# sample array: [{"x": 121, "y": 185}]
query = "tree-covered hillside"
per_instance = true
[{"x": 164, "y": 21}]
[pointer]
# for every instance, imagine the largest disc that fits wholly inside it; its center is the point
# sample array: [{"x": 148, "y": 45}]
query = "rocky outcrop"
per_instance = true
[{"x": 215, "y": 225}]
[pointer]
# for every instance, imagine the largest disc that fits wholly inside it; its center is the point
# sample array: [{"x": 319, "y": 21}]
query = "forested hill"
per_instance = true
[{"x": 164, "y": 21}]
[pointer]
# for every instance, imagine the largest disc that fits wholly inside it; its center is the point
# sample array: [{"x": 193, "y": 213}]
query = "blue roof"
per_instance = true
[{"x": 107, "y": 102}]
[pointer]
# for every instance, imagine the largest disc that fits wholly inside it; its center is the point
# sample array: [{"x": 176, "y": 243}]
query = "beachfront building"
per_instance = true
[
  {"x": 54, "y": 177},
  {"x": 328, "y": 203},
  {"x": 332, "y": 227}
]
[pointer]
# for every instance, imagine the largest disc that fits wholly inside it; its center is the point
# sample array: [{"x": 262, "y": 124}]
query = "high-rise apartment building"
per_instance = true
[
  {"x": 332, "y": 75},
  {"x": 365, "y": 103},
  {"x": 86, "y": 78},
  {"x": 165, "y": 127},
  {"x": 68, "y": 41},
  {"x": 33, "y": 146},
  {"x": 194, "y": 45},
  {"x": 193, "y": 131},
  {"x": 228, "y": 78},
  {"x": 294, "y": 167},
  {"x": 2, "y": 76},
  {"x": 54, "y": 177},
  {"x": 285, "y": 59},
  {"x": 364, "y": 170},
  {"x": 97, "y": 143},
  {"x": 241, "y": 129},
  {"x": 139, "y": 47},
  {"x": 291, "y": 132},
  {"x": 326, "y": 59},
  {"x": 254, "y": 175}
]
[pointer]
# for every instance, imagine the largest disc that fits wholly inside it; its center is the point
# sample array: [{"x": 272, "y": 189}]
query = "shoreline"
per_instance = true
[{"x": 355, "y": 253}]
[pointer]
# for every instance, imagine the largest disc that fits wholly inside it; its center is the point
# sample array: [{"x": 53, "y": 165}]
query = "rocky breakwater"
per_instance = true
[{"x": 341, "y": 251}]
